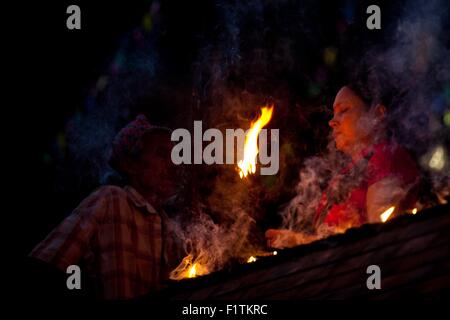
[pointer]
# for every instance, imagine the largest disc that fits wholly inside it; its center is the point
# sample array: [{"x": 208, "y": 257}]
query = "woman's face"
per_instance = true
[{"x": 351, "y": 123}]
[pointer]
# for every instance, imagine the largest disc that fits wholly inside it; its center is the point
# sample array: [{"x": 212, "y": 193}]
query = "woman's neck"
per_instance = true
[{"x": 359, "y": 149}]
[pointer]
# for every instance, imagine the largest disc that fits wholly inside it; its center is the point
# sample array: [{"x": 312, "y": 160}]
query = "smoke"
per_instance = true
[
  {"x": 415, "y": 64},
  {"x": 209, "y": 244},
  {"x": 235, "y": 74},
  {"x": 252, "y": 53},
  {"x": 317, "y": 172},
  {"x": 412, "y": 64}
]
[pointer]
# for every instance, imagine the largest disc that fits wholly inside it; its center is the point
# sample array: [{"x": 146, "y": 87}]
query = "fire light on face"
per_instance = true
[{"x": 248, "y": 164}]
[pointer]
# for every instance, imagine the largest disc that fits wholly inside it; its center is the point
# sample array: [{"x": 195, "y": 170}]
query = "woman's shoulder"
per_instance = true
[
  {"x": 390, "y": 158},
  {"x": 389, "y": 153}
]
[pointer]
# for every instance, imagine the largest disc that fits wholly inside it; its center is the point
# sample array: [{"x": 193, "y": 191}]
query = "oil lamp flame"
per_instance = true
[{"x": 386, "y": 214}]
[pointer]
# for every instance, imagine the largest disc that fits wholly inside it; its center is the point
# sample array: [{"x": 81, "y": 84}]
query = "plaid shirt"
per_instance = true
[{"x": 117, "y": 235}]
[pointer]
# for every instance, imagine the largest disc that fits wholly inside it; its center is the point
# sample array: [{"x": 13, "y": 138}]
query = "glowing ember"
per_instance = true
[
  {"x": 251, "y": 259},
  {"x": 386, "y": 214},
  {"x": 248, "y": 163}
]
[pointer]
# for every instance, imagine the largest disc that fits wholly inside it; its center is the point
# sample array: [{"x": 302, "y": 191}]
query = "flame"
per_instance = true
[
  {"x": 190, "y": 267},
  {"x": 261, "y": 254},
  {"x": 192, "y": 272},
  {"x": 386, "y": 214},
  {"x": 248, "y": 163},
  {"x": 414, "y": 211}
]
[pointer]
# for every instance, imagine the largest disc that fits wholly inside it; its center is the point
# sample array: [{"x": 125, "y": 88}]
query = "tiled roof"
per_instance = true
[{"x": 412, "y": 252}]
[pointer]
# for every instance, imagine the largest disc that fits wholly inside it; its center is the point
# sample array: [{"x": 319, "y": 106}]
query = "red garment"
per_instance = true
[{"x": 384, "y": 160}]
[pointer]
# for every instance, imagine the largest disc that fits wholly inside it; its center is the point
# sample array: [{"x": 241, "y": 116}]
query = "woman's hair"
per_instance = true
[
  {"x": 374, "y": 87},
  {"x": 374, "y": 90},
  {"x": 373, "y": 95}
]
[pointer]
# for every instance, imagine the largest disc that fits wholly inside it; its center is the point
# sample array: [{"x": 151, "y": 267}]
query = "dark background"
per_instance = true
[{"x": 57, "y": 69}]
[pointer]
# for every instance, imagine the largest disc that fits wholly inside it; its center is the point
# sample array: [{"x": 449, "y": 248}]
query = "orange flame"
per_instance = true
[
  {"x": 248, "y": 164},
  {"x": 190, "y": 267},
  {"x": 192, "y": 272},
  {"x": 386, "y": 214},
  {"x": 261, "y": 254}
]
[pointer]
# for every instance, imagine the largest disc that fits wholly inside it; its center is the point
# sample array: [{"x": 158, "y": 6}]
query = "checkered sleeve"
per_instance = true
[{"x": 70, "y": 240}]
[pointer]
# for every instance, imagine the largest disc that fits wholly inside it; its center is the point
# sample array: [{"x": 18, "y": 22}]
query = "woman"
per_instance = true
[{"x": 389, "y": 174}]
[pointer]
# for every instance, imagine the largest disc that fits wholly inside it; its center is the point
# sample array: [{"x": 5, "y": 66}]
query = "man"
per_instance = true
[
  {"x": 389, "y": 175},
  {"x": 117, "y": 234}
]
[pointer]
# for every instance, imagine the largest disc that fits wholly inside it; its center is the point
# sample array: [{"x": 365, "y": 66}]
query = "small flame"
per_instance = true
[
  {"x": 386, "y": 214},
  {"x": 190, "y": 267},
  {"x": 248, "y": 163},
  {"x": 261, "y": 254},
  {"x": 414, "y": 211}
]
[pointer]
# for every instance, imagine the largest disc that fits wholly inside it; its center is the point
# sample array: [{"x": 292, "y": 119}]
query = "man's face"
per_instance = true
[
  {"x": 154, "y": 168},
  {"x": 350, "y": 122}
]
